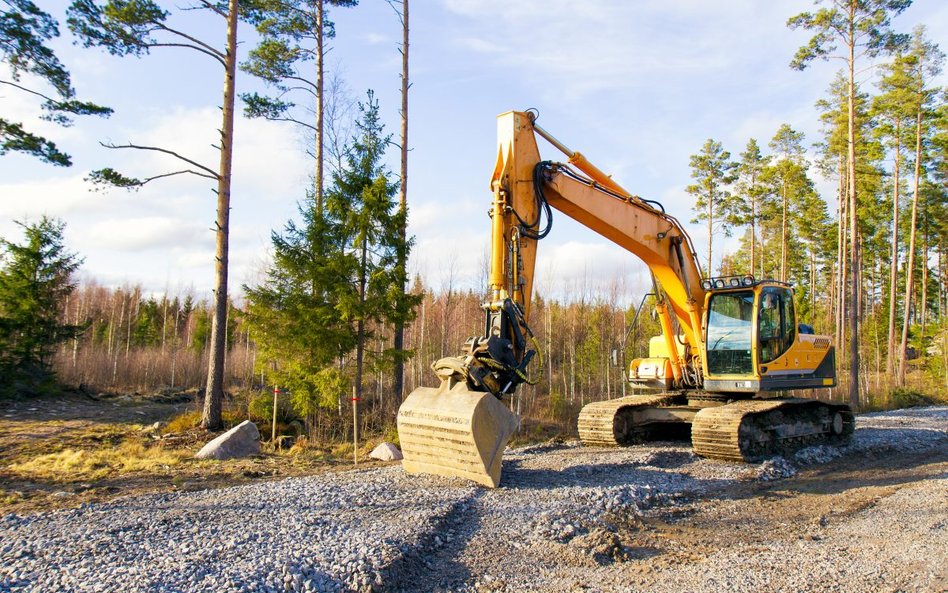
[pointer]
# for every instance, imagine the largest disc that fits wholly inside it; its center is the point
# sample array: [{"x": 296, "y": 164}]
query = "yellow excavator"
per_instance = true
[{"x": 726, "y": 342}]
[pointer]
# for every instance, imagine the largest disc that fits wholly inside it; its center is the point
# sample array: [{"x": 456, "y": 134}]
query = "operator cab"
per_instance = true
[{"x": 753, "y": 342}]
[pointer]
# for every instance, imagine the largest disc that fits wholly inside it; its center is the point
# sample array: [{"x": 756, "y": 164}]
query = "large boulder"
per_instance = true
[
  {"x": 240, "y": 441},
  {"x": 386, "y": 452}
]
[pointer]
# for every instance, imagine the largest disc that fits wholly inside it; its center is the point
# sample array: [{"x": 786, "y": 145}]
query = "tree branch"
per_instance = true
[
  {"x": 182, "y": 172},
  {"x": 210, "y": 172},
  {"x": 213, "y": 8},
  {"x": 292, "y": 120},
  {"x": 298, "y": 88},
  {"x": 194, "y": 40},
  {"x": 302, "y": 80},
  {"x": 194, "y": 47},
  {"x": 32, "y": 92}
]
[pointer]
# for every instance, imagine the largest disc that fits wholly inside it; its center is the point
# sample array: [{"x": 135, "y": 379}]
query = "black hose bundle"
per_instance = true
[{"x": 529, "y": 229}]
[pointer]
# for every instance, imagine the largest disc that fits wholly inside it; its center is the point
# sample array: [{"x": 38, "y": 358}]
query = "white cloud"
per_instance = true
[
  {"x": 577, "y": 49},
  {"x": 140, "y": 234},
  {"x": 375, "y": 38},
  {"x": 167, "y": 222},
  {"x": 424, "y": 217},
  {"x": 478, "y": 45},
  {"x": 195, "y": 259},
  {"x": 54, "y": 196}
]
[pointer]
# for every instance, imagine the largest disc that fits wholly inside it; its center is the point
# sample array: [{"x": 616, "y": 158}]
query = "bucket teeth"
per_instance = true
[{"x": 453, "y": 431}]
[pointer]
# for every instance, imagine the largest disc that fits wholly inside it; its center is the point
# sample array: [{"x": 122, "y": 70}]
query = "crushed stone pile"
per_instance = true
[{"x": 382, "y": 530}]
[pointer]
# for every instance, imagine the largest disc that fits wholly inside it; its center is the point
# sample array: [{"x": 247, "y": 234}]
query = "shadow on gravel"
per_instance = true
[
  {"x": 878, "y": 469},
  {"x": 854, "y": 470},
  {"x": 596, "y": 474},
  {"x": 669, "y": 459},
  {"x": 429, "y": 565}
]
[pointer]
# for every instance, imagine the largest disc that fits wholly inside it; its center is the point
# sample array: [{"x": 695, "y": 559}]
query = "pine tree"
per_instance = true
[
  {"x": 926, "y": 64},
  {"x": 134, "y": 27},
  {"x": 398, "y": 340},
  {"x": 36, "y": 278},
  {"x": 713, "y": 172},
  {"x": 863, "y": 28},
  {"x": 293, "y": 34},
  {"x": 788, "y": 180},
  {"x": 747, "y": 211},
  {"x": 25, "y": 30},
  {"x": 893, "y": 109}
]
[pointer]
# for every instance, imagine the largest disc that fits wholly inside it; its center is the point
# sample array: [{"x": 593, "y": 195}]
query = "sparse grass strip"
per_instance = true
[{"x": 72, "y": 465}]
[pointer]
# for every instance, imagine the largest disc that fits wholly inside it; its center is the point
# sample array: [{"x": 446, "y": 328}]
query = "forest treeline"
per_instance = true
[
  {"x": 146, "y": 344},
  {"x": 869, "y": 262},
  {"x": 335, "y": 312}
]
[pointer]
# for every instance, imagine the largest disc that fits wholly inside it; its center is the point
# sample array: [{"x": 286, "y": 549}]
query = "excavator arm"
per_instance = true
[
  {"x": 525, "y": 188},
  {"x": 437, "y": 426}
]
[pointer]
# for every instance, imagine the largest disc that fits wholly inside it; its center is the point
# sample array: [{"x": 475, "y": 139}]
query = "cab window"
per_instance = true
[
  {"x": 775, "y": 323},
  {"x": 729, "y": 333}
]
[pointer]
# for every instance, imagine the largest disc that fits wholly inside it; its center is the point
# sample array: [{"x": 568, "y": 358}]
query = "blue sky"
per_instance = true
[{"x": 636, "y": 86}]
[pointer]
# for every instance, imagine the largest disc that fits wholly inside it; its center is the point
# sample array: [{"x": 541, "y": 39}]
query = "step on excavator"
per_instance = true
[{"x": 729, "y": 345}]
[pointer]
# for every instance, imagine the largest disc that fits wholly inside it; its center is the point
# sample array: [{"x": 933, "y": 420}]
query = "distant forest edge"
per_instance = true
[
  {"x": 337, "y": 311},
  {"x": 147, "y": 344}
]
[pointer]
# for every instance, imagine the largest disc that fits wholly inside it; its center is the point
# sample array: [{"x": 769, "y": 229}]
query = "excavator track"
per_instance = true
[
  {"x": 751, "y": 430},
  {"x": 609, "y": 423}
]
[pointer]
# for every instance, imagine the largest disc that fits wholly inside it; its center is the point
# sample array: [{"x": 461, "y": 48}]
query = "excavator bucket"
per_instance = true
[{"x": 453, "y": 431}]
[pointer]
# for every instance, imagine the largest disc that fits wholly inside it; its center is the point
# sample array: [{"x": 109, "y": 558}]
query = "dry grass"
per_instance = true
[
  {"x": 191, "y": 419},
  {"x": 77, "y": 465},
  {"x": 183, "y": 422}
]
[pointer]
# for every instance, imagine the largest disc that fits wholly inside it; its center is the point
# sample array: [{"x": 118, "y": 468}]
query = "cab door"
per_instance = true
[{"x": 776, "y": 326}]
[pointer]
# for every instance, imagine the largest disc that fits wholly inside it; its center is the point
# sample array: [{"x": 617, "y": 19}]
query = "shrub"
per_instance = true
[{"x": 907, "y": 397}]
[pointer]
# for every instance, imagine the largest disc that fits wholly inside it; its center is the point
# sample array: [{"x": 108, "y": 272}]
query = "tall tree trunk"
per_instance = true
[
  {"x": 841, "y": 262},
  {"x": 753, "y": 220},
  {"x": 318, "y": 149},
  {"x": 710, "y": 229},
  {"x": 910, "y": 264},
  {"x": 360, "y": 324},
  {"x": 214, "y": 392},
  {"x": 783, "y": 237},
  {"x": 812, "y": 282},
  {"x": 399, "y": 339},
  {"x": 923, "y": 292},
  {"x": 853, "y": 233},
  {"x": 894, "y": 267}
]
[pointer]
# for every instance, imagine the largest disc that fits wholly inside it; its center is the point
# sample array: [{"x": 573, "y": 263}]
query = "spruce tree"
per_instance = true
[
  {"x": 336, "y": 280},
  {"x": 35, "y": 281},
  {"x": 362, "y": 200},
  {"x": 293, "y": 314}
]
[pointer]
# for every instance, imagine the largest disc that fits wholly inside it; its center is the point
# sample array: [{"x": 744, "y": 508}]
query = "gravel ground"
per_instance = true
[{"x": 645, "y": 518}]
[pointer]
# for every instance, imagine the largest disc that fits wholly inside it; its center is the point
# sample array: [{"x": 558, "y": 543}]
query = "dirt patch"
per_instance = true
[
  {"x": 72, "y": 449},
  {"x": 753, "y": 517}
]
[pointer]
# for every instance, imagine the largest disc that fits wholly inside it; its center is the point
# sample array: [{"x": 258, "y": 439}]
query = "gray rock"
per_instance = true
[
  {"x": 386, "y": 452},
  {"x": 240, "y": 441}
]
